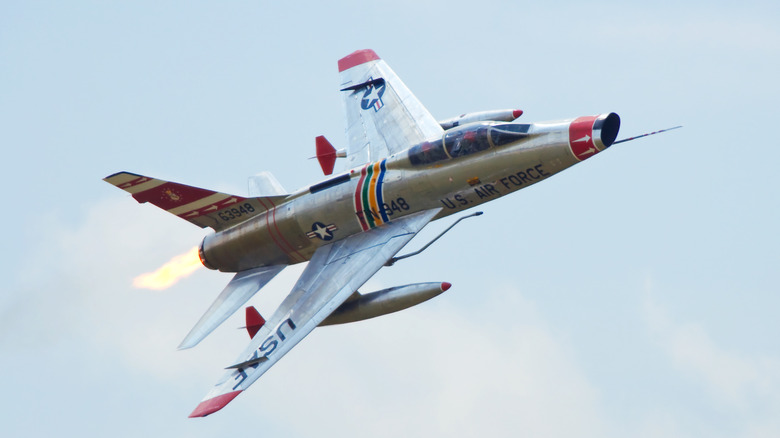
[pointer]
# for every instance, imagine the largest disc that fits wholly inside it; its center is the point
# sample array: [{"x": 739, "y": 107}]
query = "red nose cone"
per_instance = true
[
  {"x": 517, "y": 113},
  {"x": 445, "y": 286}
]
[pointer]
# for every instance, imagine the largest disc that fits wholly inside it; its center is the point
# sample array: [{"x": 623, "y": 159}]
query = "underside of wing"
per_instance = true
[
  {"x": 240, "y": 289},
  {"x": 383, "y": 116},
  {"x": 334, "y": 273}
]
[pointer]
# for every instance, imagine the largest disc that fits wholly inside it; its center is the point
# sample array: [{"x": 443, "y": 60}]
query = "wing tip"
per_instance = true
[
  {"x": 118, "y": 178},
  {"x": 356, "y": 58},
  {"x": 115, "y": 174},
  {"x": 208, "y": 407},
  {"x": 190, "y": 341}
]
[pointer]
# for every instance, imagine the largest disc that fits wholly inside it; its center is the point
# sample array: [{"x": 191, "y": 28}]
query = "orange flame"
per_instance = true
[{"x": 171, "y": 272}]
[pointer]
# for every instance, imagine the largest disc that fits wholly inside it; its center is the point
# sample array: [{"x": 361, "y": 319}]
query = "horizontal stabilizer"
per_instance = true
[
  {"x": 240, "y": 289},
  {"x": 202, "y": 207}
]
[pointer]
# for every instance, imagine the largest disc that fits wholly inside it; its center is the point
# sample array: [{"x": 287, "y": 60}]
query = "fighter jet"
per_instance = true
[{"x": 404, "y": 170}]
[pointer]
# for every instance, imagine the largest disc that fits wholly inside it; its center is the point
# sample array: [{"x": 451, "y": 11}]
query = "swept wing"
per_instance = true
[
  {"x": 334, "y": 273},
  {"x": 240, "y": 289},
  {"x": 383, "y": 116},
  {"x": 202, "y": 207},
  {"x": 208, "y": 208}
]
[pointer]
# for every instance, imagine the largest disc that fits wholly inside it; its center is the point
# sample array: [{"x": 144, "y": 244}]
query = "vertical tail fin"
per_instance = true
[{"x": 383, "y": 116}]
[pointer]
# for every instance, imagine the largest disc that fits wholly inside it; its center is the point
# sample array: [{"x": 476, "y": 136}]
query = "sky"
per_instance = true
[{"x": 634, "y": 294}]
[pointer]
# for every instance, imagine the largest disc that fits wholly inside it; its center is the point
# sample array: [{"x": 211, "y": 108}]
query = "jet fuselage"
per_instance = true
[{"x": 468, "y": 166}]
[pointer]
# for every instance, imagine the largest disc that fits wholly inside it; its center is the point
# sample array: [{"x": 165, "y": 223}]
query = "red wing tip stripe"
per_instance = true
[
  {"x": 356, "y": 58},
  {"x": 208, "y": 407}
]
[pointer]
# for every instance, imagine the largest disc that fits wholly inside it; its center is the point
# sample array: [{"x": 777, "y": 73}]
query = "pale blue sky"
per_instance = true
[{"x": 632, "y": 295}]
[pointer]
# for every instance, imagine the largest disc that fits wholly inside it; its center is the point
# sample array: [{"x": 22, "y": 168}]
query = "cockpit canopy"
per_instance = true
[{"x": 467, "y": 140}]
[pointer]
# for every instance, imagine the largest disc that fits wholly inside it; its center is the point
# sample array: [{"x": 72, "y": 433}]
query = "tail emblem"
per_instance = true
[
  {"x": 372, "y": 98},
  {"x": 173, "y": 196}
]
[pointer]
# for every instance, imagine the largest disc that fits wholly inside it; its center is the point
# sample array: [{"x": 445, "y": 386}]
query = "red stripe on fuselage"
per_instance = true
[
  {"x": 281, "y": 236},
  {"x": 269, "y": 217},
  {"x": 270, "y": 228}
]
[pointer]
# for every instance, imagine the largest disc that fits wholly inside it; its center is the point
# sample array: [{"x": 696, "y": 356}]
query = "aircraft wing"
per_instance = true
[
  {"x": 383, "y": 116},
  {"x": 334, "y": 273},
  {"x": 204, "y": 208},
  {"x": 240, "y": 289}
]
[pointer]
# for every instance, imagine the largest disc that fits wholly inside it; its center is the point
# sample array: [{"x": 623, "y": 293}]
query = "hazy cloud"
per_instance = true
[{"x": 745, "y": 386}]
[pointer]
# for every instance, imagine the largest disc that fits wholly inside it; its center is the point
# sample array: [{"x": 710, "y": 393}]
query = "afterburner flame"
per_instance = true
[{"x": 171, "y": 272}]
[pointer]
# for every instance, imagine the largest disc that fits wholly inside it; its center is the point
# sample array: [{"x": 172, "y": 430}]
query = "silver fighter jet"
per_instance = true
[{"x": 405, "y": 169}]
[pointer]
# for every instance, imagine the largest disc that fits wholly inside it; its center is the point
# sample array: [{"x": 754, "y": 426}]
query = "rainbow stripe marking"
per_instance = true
[{"x": 369, "y": 202}]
